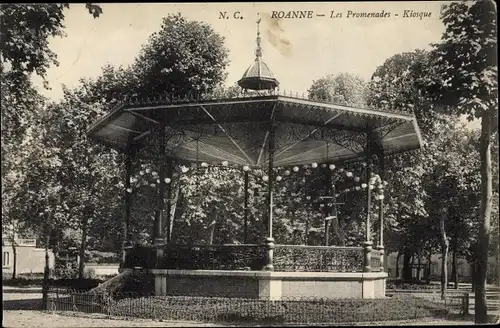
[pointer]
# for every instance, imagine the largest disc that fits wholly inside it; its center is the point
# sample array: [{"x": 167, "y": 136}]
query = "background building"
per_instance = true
[{"x": 29, "y": 257}]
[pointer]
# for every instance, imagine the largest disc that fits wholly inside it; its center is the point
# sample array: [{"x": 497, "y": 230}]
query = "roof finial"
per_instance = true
[{"x": 258, "y": 51}]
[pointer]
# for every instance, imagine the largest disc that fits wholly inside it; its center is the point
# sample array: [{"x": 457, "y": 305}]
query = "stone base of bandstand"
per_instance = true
[{"x": 269, "y": 285}]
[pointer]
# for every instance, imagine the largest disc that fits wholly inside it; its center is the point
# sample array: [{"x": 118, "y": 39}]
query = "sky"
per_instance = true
[{"x": 297, "y": 50}]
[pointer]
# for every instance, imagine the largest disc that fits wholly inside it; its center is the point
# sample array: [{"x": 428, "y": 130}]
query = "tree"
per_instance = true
[
  {"x": 21, "y": 124},
  {"x": 88, "y": 171},
  {"x": 24, "y": 33},
  {"x": 185, "y": 58},
  {"x": 399, "y": 84},
  {"x": 341, "y": 89},
  {"x": 454, "y": 173},
  {"x": 396, "y": 85},
  {"x": 465, "y": 83}
]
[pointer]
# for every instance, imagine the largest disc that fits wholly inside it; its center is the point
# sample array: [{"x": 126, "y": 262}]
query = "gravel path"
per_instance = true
[
  {"x": 21, "y": 309},
  {"x": 41, "y": 319}
]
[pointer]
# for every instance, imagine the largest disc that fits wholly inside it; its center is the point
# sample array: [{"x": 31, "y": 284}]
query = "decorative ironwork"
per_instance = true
[
  {"x": 290, "y": 258},
  {"x": 173, "y": 99},
  {"x": 214, "y": 257},
  {"x": 382, "y": 131},
  {"x": 199, "y": 257},
  {"x": 318, "y": 258}
]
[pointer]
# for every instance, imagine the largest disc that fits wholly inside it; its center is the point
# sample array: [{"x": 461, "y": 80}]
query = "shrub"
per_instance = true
[
  {"x": 75, "y": 284},
  {"x": 89, "y": 273},
  {"x": 283, "y": 311},
  {"x": 410, "y": 285},
  {"x": 66, "y": 270},
  {"x": 102, "y": 257}
]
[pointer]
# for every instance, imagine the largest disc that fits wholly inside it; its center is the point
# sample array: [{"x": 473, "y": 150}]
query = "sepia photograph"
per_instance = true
[{"x": 250, "y": 164}]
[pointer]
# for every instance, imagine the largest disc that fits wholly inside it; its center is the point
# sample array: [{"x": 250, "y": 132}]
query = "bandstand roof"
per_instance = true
[{"x": 237, "y": 130}]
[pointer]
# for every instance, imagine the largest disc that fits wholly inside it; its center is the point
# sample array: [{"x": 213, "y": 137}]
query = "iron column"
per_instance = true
[
  {"x": 245, "y": 222},
  {"x": 129, "y": 157},
  {"x": 368, "y": 243},
  {"x": 270, "y": 240},
  {"x": 380, "y": 246},
  {"x": 169, "y": 198}
]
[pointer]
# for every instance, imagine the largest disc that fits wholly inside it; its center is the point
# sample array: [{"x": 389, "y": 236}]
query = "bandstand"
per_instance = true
[{"x": 270, "y": 130}]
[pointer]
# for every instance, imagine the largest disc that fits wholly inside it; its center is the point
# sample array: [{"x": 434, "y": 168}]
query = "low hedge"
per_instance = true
[
  {"x": 283, "y": 311},
  {"x": 411, "y": 285},
  {"x": 73, "y": 284}
]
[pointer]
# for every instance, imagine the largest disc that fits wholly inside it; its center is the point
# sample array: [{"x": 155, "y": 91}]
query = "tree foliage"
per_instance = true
[
  {"x": 184, "y": 57},
  {"x": 397, "y": 85},
  {"x": 25, "y": 32},
  {"x": 341, "y": 89},
  {"x": 465, "y": 82},
  {"x": 465, "y": 78}
]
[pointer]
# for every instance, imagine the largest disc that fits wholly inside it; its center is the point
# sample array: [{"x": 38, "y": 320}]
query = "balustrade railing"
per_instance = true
[
  {"x": 292, "y": 258},
  {"x": 318, "y": 258},
  {"x": 214, "y": 257},
  {"x": 199, "y": 257}
]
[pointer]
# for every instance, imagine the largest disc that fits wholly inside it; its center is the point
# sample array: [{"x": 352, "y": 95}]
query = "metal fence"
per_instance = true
[
  {"x": 318, "y": 258},
  {"x": 284, "y": 311},
  {"x": 296, "y": 258}
]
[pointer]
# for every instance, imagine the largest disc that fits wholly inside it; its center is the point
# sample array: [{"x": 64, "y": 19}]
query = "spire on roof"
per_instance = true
[
  {"x": 258, "y": 51},
  {"x": 258, "y": 76}
]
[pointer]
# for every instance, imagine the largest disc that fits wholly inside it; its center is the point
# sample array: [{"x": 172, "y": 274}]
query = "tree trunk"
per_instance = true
[
  {"x": 337, "y": 232},
  {"x": 429, "y": 267},
  {"x": 454, "y": 268},
  {"x": 397, "y": 264},
  {"x": 480, "y": 307},
  {"x": 211, "y": 226},
  {"x": 306, "y": 237},
  {"x": 45, "y": 285},
  {"x": 173, "y": 207},
  {"x": 412, "y": 266},
  {"x": 419, "y": 262},
  {"x": 473, "y": 274},
  {"x": 407, "y": 264},
  {"x": 83, "y": 246},
  {"x": 14, "y": 259},
  {"x": 444, "y": 255}
]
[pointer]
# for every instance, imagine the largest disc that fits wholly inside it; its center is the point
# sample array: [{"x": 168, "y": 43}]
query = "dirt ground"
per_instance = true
[{"x": 21, "y": 309}]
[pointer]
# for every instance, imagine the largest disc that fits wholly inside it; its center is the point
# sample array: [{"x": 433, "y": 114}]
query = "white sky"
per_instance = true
[{"x": 316, "y": 47}]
